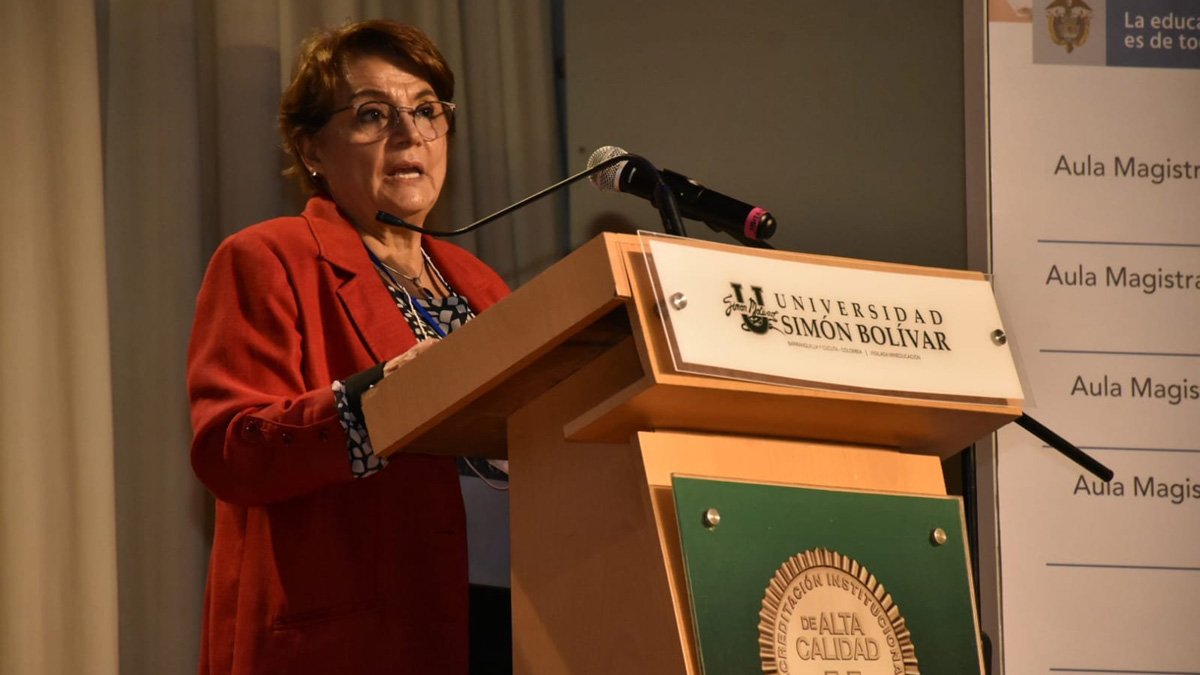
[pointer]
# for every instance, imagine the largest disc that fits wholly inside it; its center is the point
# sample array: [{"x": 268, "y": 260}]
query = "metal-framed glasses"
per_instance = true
[{"x": 376, "y": 120}]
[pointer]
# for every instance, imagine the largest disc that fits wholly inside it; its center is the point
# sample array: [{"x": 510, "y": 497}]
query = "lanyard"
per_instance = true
[{"x": 412, "y": 302}]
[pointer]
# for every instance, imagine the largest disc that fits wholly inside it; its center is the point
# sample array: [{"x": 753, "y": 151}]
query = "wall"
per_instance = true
[{"x": 843, "y": 119}]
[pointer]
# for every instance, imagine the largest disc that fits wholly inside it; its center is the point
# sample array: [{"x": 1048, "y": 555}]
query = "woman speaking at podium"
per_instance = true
[{"x": 327, "y": 558}]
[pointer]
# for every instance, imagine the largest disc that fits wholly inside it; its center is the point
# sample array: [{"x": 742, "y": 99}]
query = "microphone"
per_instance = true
[{"x": 723, "y": 214}]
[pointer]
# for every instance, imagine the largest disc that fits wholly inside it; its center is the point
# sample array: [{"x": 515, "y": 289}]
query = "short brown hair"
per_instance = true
[{"x": 312, "y": 96}]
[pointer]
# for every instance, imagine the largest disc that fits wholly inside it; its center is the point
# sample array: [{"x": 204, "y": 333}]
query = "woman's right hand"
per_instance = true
[{"x": 394, "y": 364}]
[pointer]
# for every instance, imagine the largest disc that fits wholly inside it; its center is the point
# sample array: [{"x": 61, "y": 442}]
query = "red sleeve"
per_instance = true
[{"x": 261, "y": 434}]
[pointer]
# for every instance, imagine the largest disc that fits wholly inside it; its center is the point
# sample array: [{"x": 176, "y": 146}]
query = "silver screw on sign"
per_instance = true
[{"x": 712, "y": 518}]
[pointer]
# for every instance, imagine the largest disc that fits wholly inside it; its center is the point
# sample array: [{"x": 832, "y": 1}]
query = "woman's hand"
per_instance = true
[{"x": 394, "y": 364}]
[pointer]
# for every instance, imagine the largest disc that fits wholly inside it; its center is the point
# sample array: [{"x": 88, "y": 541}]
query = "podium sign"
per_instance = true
[
  {"x": 801, "y": 580},
  {"x": 830, "y": 323}
]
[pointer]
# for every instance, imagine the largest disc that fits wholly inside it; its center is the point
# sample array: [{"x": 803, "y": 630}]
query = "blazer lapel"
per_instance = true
[{"x": 362, "y": 293}]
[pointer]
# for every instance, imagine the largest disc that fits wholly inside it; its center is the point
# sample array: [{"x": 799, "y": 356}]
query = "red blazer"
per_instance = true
[{"x": 311, "y": 570}]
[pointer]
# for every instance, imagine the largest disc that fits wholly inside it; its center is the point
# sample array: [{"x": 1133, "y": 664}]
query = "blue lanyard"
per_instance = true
[{"x": 413, "y": 302}]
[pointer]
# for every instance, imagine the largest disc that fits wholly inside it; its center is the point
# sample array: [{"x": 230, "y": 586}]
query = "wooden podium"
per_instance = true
[{"x": 571, "y": 379}]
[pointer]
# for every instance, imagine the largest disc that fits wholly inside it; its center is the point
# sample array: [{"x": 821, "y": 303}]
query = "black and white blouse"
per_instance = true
[{"x": 449, "y": 313}]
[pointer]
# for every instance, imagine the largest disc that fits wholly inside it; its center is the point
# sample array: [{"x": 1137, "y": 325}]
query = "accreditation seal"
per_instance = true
[{"x": 823, "y": 612}]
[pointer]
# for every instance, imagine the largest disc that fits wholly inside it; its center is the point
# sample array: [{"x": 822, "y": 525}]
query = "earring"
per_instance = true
[{"x": 315, "y": 175}]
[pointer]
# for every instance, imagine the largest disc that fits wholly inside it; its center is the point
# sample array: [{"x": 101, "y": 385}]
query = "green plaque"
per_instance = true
[{"x": 802, "y": 580}]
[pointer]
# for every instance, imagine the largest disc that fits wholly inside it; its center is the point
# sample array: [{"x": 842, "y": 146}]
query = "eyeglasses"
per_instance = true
[{"x": 375, "y": 120}]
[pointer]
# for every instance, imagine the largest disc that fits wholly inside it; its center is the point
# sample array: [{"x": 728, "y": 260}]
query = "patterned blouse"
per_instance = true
[{"x": 448, "y": 313}]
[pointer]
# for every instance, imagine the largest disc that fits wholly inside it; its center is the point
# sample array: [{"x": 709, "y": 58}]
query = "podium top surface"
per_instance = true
[{"x": 595, "y": 315}]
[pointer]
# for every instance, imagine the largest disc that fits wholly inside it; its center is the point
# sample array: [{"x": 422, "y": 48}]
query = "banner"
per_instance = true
[{"x": 1095, "y": 185}]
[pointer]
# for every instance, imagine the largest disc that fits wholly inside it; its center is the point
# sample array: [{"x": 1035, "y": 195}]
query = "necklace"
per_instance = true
[
  {"x": 411, "y": 302},
  {"x": 414, "y": 280}
]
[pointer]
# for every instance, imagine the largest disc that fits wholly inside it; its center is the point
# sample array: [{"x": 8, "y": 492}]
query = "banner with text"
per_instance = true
[{"x": 1095, "y": 179}]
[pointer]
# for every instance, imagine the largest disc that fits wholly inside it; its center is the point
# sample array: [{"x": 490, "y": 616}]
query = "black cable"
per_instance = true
[{"x": 1065, "y": 447}]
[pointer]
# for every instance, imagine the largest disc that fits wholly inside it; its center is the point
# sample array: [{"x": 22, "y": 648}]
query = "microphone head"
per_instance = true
[
  {"x": 759, "y": 225},
  {"x": 606, "y": 180}
]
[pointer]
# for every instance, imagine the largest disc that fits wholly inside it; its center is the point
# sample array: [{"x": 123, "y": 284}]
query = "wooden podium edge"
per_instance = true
[
  {"x": 474, "y": 381},
  {"x": 562, "y": 301},
  {"x": 665, "y": 397}
]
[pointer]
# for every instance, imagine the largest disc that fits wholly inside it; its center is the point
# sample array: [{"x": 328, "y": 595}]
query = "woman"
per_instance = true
[{"x": 325, "y": 557}]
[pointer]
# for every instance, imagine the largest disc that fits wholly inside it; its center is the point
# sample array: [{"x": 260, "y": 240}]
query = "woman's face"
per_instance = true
[{"x": 401, "y": 173}]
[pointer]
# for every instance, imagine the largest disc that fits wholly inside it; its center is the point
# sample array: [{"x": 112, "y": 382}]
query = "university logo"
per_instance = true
[
  {"x": 1070, "y": 23},
  {"x": 755, "y": 319}
]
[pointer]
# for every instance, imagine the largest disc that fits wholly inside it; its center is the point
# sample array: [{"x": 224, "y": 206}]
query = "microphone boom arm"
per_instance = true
[{"x": 668, "y": 209}]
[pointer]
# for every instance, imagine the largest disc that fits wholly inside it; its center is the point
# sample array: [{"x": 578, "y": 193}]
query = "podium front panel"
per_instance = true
[{"x": 804, "y": 580}]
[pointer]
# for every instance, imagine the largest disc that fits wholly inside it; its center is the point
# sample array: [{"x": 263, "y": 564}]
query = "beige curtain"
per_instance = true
[
  {"x": 58, "y": 554},
  {"x": 137, "y": 135},
  {"x": 159, "y": 220}
]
